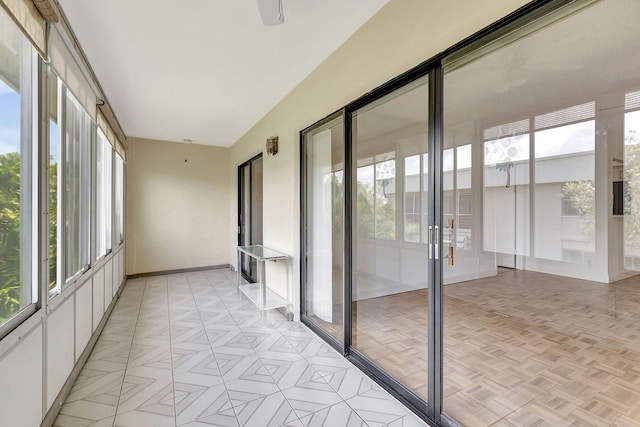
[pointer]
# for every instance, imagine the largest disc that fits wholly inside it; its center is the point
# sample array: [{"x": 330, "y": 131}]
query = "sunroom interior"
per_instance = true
[{"x": 493, "y": 161}]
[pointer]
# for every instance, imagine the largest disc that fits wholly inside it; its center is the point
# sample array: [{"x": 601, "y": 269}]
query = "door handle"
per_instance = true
[
  {"x": 437, "y": 243},
  {"x": 434, "y": 241},
  {"x": 452, "y": 240}
]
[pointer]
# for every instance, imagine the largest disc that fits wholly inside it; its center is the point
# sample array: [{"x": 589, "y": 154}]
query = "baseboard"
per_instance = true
[
  {"x": 179, "y": 270},
  {"x": 286, "y": 313}
]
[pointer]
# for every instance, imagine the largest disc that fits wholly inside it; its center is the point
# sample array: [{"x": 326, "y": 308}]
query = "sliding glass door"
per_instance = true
[
  {"x": 471, "y": 232},
  {"x": 541, "y": 291},
  {"x": 250, "y": 213},
  {"x": 389, "y": 229},
  {"x": 368, "y": 236},
  {"x": 323, "y": 204}
]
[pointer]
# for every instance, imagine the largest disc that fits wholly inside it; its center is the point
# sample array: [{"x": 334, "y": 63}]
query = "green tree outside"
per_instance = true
[
  {"x": 53, "y": 225},
  {"x": 632, "y": 196},
  {"x": 10, "y": 289},
  {"x": 582, "y": 195}
]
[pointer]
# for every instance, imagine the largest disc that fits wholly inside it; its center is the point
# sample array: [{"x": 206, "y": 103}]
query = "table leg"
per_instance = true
[{"x": 263, "y": 289}]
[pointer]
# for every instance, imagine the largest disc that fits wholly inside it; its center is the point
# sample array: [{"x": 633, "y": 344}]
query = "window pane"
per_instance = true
[
  {"x": 77, "y": 187},
  {"x": 324, "y": 184},
  {"x": 389, "y": 261},
  {"x": 385, "y": 199},
  {"x": 364, "y": 201},
  {"x": 425, "y": 197},
  {"x": 448, "y": 199},
  {"x": 538, "y": 314},
  {"x": 16, "y": 289},
  {"x": 506, "y": 197},
  {"x": 463, "y": 227},
  {"x": 565, "y": 193},
  {"x": 412, "y": 211},
  {"x": 631, "y": 197},
  {"x": 54, "y": 177},
  {"x": 104, "y": 157},
  {"x": 119, "y": 199}
]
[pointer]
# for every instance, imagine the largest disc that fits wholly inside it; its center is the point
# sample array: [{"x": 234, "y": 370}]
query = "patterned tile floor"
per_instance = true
[{"x": 191, "y": 350}]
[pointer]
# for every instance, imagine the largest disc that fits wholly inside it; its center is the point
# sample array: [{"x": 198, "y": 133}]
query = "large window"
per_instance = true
[
  {"x": 104, "y": 156},
  {"x": 77, "y": 187},
  {"x": 18, "y": 288},
  {"x": 564, "y": 142},
  {"x": 506, "y": 190},
  {"x": 47, "y": 172}
]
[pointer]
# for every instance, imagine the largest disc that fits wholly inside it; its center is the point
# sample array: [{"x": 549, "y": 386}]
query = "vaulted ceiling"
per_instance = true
[{"x": 205, "y": 70}]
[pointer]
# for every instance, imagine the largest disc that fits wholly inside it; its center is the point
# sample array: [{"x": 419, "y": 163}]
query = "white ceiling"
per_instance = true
[
  {"x": 582, "y": 58},
  {"x": 205, "y": 70}
]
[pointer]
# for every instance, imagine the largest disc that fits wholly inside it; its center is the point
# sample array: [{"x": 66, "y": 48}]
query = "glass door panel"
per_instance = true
[
  {"x": 390, "y": 260},
  {"x": 250, "y": 213},
  {"x": 324, "y": 227},
  {"x": 541, "y": 283}
]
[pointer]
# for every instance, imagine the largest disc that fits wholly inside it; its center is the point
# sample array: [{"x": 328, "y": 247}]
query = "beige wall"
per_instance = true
[
  {"x": 177, "y": 206},
  {"x": 403, "y": 34}
]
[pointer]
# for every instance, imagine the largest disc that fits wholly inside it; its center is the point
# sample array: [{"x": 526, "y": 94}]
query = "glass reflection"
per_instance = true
[
  {"x": 390, "y": 253},
  {"x": 538, "y": 313}
]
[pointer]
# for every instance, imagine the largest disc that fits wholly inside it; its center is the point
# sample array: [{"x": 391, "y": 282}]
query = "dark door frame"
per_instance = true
[{"x": 251, "y": 274}]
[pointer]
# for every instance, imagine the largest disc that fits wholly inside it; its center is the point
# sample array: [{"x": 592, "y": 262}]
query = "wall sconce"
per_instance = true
[{"x": 272, "y": 145}]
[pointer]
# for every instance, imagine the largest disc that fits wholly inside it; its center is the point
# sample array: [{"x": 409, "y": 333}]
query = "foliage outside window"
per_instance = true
[
  {"x": 632, "y": 180},
  {"x": 376, "y": 202},
  {"x": 385, "y": 197},
  {"x": 16, "y": 171},
  {"x": 365, "y": 201},
  {"x": 412, "y": 204},
  {"x": 54, "y": 159}
]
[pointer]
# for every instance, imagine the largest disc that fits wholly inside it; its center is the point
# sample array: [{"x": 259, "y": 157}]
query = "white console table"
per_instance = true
[{"x": 259, "y": 292}]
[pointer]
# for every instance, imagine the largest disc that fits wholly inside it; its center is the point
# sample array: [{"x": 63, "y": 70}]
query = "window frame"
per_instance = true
[
  {"x": 30, "y": 149},
  {"x": 85, "y": 241},
  {"x": 61, "y": 130},
  {"x": 103, "y": 178}
]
